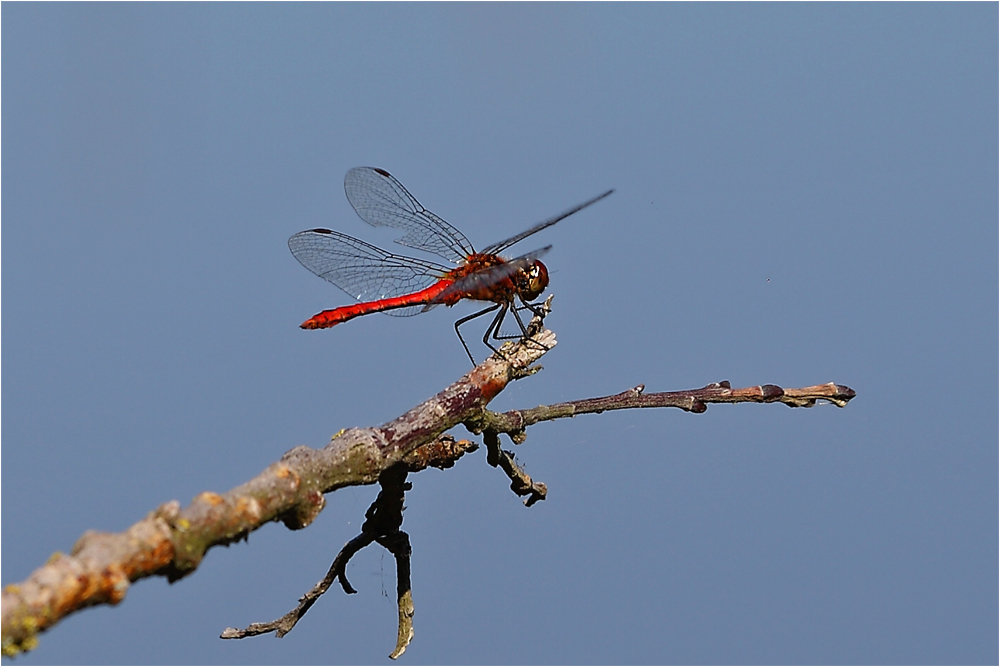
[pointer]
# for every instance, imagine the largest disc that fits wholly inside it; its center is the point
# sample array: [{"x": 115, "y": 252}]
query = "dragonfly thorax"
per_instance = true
[{"x": 487, "y": 277}]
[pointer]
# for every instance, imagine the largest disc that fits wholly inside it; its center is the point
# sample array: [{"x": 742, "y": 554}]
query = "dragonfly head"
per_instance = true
[{"x": 536, "y": 279}]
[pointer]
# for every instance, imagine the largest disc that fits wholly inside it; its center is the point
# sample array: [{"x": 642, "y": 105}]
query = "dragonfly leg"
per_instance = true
[
  {"x": 535, "y": 308},
  {"x": 520, "y": 323},
  {"x": 473, "y": 316},
  {"x": 494, "y": 328}
]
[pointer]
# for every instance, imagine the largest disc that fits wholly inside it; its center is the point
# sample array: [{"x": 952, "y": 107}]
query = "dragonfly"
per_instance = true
[{"x": 382, "y": 281}]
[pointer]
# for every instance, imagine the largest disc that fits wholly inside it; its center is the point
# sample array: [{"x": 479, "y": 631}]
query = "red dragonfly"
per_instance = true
[{"x": 399, "y": 285}]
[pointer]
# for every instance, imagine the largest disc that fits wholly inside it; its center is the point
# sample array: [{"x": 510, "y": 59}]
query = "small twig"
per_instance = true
[
  {"x": 382, "y": 522},
  {"x": 514, "y": 422},
  {"x": 441, "y": 454},
  {"x": 283, "y": 625},
  {"x": 398, "y": 545},
  {"x": 520, "y": 482}
]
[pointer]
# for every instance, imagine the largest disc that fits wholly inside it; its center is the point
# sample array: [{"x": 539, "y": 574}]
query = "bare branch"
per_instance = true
[
  {"x": 514, "y": 422},
  {"x": 172, "y": 541}
]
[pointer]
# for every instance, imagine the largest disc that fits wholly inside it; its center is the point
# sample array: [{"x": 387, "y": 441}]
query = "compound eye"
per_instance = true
[
  {"x": 538, "y": 280},
  {"x": 533, "y": 277}
]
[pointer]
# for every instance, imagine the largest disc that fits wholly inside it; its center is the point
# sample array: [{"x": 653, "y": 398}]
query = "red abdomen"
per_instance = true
[{"x": 329, "y": 318}]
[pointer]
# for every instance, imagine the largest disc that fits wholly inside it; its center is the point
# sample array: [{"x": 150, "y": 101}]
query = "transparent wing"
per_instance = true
[
  {"x": 497, "y": 248},
  {"x": 365, "y": 272},
  {"x": 382, "y": 201}
]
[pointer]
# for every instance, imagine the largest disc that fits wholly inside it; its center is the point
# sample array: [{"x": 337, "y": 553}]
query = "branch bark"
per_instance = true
[{"x": 171, "y": 541}]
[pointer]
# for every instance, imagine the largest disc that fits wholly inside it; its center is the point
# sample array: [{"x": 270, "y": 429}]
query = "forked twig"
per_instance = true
[
  {"x": 515, "y": 422},
  {"x": 382, "y": 522}
]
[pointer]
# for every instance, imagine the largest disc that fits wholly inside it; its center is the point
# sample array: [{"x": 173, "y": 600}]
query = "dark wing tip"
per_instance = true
[
  {"x": 377, "y": 170},
  {"x": 294, "y": 239}
]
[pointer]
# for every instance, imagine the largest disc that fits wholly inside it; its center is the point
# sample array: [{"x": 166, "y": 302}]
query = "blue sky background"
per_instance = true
[{"x": 805, "y": 193}]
